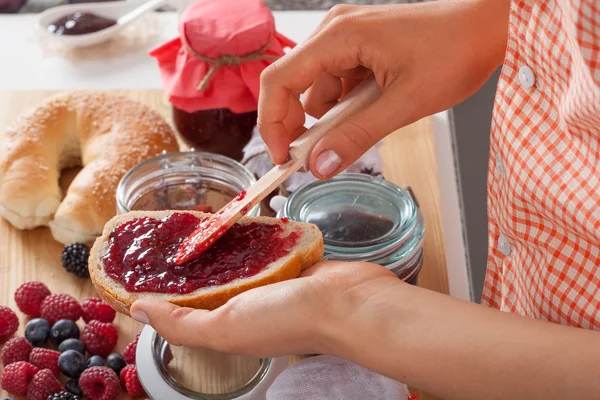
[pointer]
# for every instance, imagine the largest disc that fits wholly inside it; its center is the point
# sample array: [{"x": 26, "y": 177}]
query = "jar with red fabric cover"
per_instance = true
[{"x": 211, "y": 72}]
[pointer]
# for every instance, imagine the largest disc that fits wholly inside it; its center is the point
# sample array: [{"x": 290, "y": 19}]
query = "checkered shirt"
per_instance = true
[{"x": 544, "y": 168}]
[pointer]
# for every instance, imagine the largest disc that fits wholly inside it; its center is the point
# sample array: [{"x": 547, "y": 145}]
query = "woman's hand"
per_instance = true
[
  {"x": 298, "y": 316},
  {"x": 426, "y": 58},
  {"x": 363, "y": 313}
]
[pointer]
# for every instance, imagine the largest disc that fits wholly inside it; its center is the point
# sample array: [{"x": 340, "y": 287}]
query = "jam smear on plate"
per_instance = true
[{"x": 141, "y": 254}]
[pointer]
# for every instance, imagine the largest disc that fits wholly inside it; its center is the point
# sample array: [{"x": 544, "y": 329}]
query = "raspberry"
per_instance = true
[
  {"x": 132, "y": 382},
  {"x": 99, "y": 383},
  {"x": 99, "y": 338},
  {"x": 17, "y": 376},
  {"x": 75, "y": 259},
  {"x": 16, "y": 349},
  {"x": 9, "y": 323},
  {"x": 129, "y": 352},
  {"x": 98, "y": 310},
  {"x": 43, "y": 385},
  {"x": 45, "y": 359},
  {"x": 64, "y": 396},
  {"x": 29, "y": 297},
  {"x": 60, "y": 306},
  {"x": 124, "y": 373}
]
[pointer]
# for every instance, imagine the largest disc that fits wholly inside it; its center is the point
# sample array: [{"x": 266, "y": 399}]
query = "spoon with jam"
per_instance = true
[{"x": 81, "y": 25}]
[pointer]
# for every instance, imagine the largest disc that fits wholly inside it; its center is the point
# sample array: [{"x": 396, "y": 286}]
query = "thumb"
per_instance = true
[
  {"x": 179, "y": 326},
  {"x": 349, "y": 140}
]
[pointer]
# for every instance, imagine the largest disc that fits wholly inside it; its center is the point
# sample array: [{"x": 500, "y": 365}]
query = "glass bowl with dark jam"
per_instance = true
[
  {"x": 363, "y": 218},
  {"x": 80, "y": 23}
]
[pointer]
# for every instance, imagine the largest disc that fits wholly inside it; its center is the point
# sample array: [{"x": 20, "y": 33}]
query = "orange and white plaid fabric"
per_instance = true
[{"x": 544, "y": 169}]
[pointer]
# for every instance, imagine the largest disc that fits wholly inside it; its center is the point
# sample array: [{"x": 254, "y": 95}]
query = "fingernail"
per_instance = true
[
  {"x": 140, "y": 316},
  {"x": 327, "y": 163}
]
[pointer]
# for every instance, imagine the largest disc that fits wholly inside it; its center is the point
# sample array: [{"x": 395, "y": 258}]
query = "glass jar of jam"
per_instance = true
[
  {"x": 363, "y": 218},
  {"x": 206, "y": 130},
  {"x": 211, "y": 72},
  {"x": 183, "y": 181}
]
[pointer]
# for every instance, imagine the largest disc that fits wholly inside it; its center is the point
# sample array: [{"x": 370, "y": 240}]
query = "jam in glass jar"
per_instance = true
[
  {"x": 206, "y": 129},
  {"x": 211, "y": 72},
  {"x": 363, "y": 218}
]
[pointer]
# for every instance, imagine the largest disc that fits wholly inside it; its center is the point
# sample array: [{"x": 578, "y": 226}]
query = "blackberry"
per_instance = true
[
  {"x": 75, "y": 259},
  {"x": 63, "y": 396}
]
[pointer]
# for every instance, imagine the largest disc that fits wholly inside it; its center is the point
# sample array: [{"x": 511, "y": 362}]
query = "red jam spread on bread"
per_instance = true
[{"x": 141, "y": 252}]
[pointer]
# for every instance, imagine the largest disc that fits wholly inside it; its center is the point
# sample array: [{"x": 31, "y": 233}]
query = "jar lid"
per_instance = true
[
  {"x": 360, "y": 216},
  {"x": 216, "y": 61}
]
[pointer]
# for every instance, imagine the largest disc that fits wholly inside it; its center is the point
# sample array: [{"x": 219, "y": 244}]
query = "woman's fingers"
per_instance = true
[
  {"x": 322, "y": 95},
  {"x": 180, "y": 326},
  {"x": 283, "y": 81},
  {"x": 349, "y": 140}
]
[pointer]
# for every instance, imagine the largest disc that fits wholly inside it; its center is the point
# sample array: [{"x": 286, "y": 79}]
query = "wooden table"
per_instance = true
[{"x": 33, "y": 255}]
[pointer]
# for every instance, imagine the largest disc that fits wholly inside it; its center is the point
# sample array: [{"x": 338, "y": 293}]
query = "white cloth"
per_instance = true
[
  {"x": 332, "y": 378},
  {"x": 257, "y": 160}
]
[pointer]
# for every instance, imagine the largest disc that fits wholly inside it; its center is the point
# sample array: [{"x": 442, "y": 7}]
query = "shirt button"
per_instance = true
[
  {"x": 526, "y": 77},
  {"x": 503, "y": 245},
  {"x": 499, "y": 167}
]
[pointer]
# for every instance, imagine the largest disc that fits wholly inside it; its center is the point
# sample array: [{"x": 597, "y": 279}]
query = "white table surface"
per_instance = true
[{"x": 24, "y": 66}]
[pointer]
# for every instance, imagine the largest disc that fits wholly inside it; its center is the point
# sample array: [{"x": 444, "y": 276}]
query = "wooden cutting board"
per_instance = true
[{"x": 33, "y": 255}]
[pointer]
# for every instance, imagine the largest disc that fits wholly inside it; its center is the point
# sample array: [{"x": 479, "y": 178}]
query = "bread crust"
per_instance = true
[
  {"x": 114, "y": 294},
  {"x": 106, "y": 134}
]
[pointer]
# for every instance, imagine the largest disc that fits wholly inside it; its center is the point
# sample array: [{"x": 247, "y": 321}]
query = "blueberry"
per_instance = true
[
  {"x": 73, "y": 387},
  {"x": 95, "y": 361},
  {"x": 71, "y": 363},
  {"x": 63, "y": 330},
  {"x": 116, "y": 362},
  {"x": 37, "y": 331},
  {"x": 72, "y": 344}
]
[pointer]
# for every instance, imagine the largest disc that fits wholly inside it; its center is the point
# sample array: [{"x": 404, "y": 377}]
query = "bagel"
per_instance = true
[{"x": 105, "y": 134}]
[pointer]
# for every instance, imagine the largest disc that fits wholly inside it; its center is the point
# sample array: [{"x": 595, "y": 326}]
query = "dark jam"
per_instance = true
[
  {"x": 216, "y": 131},
  {"x": 140, "y": 254},
  {"x": 80, "y": 23},
  {"x": 352, "y": 227}
]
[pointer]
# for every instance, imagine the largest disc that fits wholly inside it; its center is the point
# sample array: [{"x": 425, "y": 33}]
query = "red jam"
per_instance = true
[
  {"x": 216, "y": 131},
  {"x": 141, "y": 254},
  {"x": 241, "y": 196}
]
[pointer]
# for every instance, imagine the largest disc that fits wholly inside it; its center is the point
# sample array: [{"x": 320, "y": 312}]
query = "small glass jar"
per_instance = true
[
  {"x": 216, "y": 131},
  {"x": 181, "y": 373},
  {"x": 183, "y": 181},
  {"x": 363, "y": 218}
]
